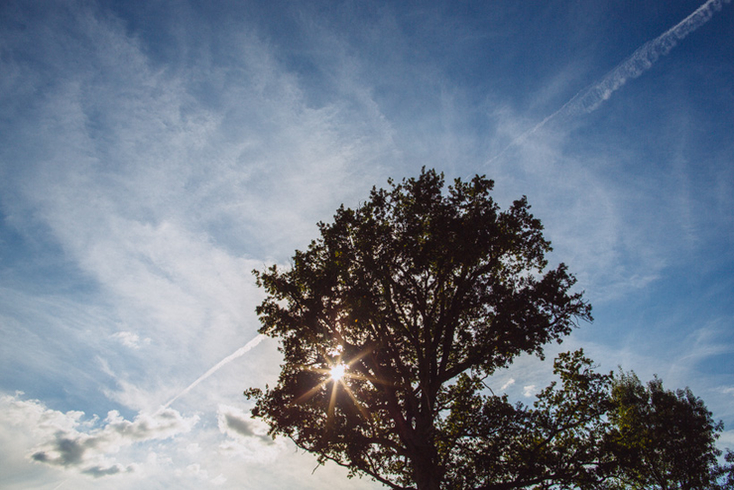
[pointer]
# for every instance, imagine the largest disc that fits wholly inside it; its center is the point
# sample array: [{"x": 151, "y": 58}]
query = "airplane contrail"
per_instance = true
[
  {"x": 238, "y": 353},
  {"x": 590, "y": 98}
]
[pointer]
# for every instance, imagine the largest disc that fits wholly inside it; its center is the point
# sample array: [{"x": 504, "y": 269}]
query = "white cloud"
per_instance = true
[
  {"x": 238, "y": 424},
  {"x": 132, "y": 396},
  {"x": 65, "y": 440},
  {"x": 247, "y": 438},
  {"x": 528, "y": 390},
  {"x": 219, "y": 480},
  {"x": 130, "y": 339},
  {"x": 193, "y": 448},
  {"x": 507, "y": 384},
  {"x": 196, "y": 471}
]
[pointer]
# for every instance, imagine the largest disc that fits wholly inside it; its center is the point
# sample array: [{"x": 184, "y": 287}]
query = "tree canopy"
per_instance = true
[
  {"x": 664, "y": 440},
  {"x": 390, "y": 324}
]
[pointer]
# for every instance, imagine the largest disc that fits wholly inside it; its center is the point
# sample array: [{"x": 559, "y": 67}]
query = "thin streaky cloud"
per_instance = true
[
  {"x": 639, "y": 62},
  {"x": 236, "y": 354},
  {"x": 593, "y": 96}
]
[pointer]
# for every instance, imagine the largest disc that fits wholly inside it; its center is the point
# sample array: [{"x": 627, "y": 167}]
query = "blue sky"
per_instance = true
[{"x": 153, "y": 153}]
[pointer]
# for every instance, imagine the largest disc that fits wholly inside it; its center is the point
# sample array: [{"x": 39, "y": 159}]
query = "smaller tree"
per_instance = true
[
  {"x": 557, "y": 443},
  {"x": 663, "y": 439}
]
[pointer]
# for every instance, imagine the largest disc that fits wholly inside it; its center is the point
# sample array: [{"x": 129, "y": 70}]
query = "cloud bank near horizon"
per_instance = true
[{"x": 88, "y": 446}]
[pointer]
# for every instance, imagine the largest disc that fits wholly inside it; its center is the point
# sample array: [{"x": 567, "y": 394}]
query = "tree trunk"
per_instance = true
[
  {"x": 426, "y": 477},
  {"x": 428, "y": 473}
]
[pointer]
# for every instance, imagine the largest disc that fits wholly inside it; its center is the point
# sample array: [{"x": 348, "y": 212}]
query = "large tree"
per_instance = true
[
  {"x": 390, "y": 324},
  {"x": 413, "y": 299}
]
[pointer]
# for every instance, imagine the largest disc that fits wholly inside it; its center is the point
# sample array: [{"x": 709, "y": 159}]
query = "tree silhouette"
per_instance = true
[
  {"x": 390, "y": 324},
  {"x": 664, "y": 440}
]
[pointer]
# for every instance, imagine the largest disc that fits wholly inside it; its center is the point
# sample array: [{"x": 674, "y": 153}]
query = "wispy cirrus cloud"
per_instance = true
[
  {"x": 164, "y": 197},
  {"x": 163, "y": 189}
]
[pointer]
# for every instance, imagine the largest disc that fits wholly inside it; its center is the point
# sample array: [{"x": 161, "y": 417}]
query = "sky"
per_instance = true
[{"x": 153, "y": 153}]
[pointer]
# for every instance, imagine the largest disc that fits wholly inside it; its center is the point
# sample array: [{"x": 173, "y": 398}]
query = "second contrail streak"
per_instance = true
[{"x": 238, "y": 353}]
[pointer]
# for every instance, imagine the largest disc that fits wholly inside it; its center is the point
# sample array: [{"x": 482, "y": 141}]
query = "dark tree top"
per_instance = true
[
  {"x": 419, "y": 295},
  {"x": 664, "y": 439}
]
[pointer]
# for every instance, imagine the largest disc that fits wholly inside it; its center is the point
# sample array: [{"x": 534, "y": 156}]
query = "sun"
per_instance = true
[{"x": 337, "y": 372}]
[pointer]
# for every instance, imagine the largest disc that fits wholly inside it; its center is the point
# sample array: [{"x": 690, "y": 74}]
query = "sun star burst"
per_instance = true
[{"x": 337, "y": 372}]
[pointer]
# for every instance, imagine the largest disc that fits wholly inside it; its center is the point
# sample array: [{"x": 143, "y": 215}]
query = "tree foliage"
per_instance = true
[
  {"x": 664, "y": 440},
  {"x": 417, "y": 297}
]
